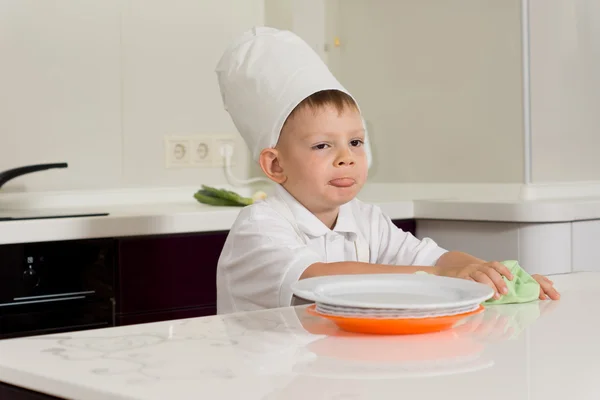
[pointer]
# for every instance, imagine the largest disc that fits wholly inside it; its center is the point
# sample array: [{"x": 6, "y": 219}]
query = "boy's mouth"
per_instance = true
[{"x": 342, "y": 182}]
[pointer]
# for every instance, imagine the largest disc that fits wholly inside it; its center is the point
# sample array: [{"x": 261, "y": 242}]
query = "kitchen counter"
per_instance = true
[
  {"x": 538, "y": 211},
  {"x": 535, "y": 351},
  {"x": 123, "y": 220},
  {"x": 164, "y": 211},
  {"x": 132, "y": 213}
]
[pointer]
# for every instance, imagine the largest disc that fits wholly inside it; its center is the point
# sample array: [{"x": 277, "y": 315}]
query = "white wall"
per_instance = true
[
  {"x": 60, "y": 98},
  {"x": 279, "y": 14},
  {"x": 306, "y": 18},
  {"x": 440, "y": 85},
  {"x": 565, "y": 90},
  {"x": 98, "y": 84}
]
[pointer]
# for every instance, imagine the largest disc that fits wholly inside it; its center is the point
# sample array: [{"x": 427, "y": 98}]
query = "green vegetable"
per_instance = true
[
  {"x": 205, "y": 197},
  {"x": 228, "y": 195},
  {"x": 222, "y": 197}
]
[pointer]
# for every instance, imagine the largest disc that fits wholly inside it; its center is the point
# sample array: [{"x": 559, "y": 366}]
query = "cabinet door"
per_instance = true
[
  {"x": 168, "y": 272},
  {"x": 585, "y": 236}
]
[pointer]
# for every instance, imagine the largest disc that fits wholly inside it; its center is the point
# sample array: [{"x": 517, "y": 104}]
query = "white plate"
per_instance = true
[
  {"x": 390, "y": 313},
  {"x": 392, "y": 291},
  {"x": 394, "y": 311}
]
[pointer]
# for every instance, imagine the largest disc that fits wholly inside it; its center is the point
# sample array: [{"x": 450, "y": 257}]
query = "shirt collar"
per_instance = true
[{"x": 310, "y": 224}]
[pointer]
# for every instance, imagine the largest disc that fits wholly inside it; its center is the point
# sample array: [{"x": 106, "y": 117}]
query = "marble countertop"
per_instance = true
[
  {"x": 162, "y": 211},
  {"x": 535, "y": 351}
]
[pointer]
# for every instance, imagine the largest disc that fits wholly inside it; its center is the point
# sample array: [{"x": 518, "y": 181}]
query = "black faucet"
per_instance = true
[{"x": 9, "y": 174}]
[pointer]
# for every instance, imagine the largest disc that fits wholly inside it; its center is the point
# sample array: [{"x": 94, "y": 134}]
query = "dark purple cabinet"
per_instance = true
[
  {"x": 10, "y": 392},
  {"x": 167, "y": 277},
  {"x": 171, "y": 277}
]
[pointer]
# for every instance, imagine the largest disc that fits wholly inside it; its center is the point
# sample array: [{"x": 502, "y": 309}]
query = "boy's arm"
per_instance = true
[
  {"x": 457, "y": 259},
  {"x": 354, "y": 267},
  {"x": 486, "y": 273},
  {"x": 449, "y": 259}
]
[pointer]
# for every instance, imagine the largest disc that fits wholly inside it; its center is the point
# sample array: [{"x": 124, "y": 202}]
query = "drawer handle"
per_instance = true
[{"x": 41, "y": 301}]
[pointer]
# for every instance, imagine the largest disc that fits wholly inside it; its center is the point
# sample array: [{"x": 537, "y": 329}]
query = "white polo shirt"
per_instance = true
[{"x": 272, "y": 242}]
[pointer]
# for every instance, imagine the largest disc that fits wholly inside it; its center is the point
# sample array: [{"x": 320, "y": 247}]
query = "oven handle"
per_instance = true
[
  {"x": 45, "y": 296},
  {"x": 41, "y": 301}
]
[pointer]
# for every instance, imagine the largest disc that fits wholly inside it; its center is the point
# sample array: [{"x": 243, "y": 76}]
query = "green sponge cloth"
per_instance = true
[{"x": 522, "y": 289}]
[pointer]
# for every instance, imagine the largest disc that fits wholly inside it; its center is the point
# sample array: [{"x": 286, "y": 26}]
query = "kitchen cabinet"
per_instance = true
[
  {"x": 167, "y": 277},
  {"x": 540, "y": 248},
  {"x": 172, "y": 277},
  {"x": 584, "y": 240},
  {"x": 11, "y": 392}
]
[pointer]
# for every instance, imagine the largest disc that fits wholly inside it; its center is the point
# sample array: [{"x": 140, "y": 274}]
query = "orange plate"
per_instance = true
[{"x": 405, "y": 326}]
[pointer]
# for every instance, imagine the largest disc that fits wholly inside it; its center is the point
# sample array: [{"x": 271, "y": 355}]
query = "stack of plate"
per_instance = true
[{"x": 393, "y": 303}]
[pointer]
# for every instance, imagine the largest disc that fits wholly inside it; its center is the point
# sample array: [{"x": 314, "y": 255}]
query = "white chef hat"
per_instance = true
[{"x": 263, "y": 75}]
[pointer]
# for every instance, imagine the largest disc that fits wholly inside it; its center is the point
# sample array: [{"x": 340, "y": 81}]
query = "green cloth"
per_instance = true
[
  {"x": 522, "y": 289},
  {"x": 508, "y": 318}
]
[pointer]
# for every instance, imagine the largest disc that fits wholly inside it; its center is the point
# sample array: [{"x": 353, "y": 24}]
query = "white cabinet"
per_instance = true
[
  {"x": 539, "y": 248},
  {"x": 586, "y": 243},
  {"x": 487, "y": 240},
  {"x": 545, "y": 248}
]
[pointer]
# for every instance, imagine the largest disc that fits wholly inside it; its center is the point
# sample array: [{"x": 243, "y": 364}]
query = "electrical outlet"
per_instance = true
[
  {"x": 218, "y": 157},
  {"x": 177, "y": 152},
  {"x": 197, "y": 151},
  {"x": 202, "y": 151}
]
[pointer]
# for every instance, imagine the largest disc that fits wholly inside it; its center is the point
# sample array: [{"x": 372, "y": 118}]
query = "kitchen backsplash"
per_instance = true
[{"x": 99, "y": 84}]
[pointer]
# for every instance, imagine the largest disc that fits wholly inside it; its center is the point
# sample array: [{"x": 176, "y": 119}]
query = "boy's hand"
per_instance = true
[
  {"x": 489, "y": 273},
  {"x": 546, "y": 287}
]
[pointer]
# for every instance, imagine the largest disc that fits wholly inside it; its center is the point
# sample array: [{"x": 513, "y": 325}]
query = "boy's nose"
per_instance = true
[
  {"x": 344, "y": 158},
  {"x": 345, "y": 162}
]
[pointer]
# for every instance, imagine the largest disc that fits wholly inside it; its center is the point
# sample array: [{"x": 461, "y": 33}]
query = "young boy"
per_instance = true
[{"x": 306, "y": 132}]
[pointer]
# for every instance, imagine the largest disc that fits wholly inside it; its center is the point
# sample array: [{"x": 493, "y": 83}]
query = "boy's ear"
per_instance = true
[{"x": 269, "y": 163}]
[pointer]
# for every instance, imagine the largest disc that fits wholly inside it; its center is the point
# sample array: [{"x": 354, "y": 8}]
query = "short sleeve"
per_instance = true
[
  {"x": 397, "y": 247},
  {"x": 262, "y": 257}
]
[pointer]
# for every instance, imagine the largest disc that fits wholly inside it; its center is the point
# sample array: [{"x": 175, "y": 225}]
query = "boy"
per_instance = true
[{"x": 307, "y": 134}]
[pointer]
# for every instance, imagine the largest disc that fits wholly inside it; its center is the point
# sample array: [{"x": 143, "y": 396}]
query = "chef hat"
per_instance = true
[{"x": 263, "y": 75}]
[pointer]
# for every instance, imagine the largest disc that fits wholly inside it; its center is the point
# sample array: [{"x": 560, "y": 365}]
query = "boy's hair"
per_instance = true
[{"x": 318, "y": 100}]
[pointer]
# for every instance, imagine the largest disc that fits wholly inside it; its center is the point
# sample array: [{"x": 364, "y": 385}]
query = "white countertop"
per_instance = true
[
  {"x": 134, "y": 213},
  {"x": 539, "y": 211},
  {"x": 535, "y": 351},
  {"x": 163, "y": 211}
]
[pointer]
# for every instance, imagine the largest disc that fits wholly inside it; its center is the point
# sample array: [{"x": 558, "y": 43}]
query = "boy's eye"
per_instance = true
[
  {"x": 320, "y": 146},
  {"x": 356, "y": 143}
]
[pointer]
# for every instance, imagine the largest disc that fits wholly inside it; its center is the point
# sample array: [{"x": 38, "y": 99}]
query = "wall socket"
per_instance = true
[
  {"x": 196, "y": 151},
  {"x": 177, "y": 152},
  {"x": 202, "y": 151}
]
